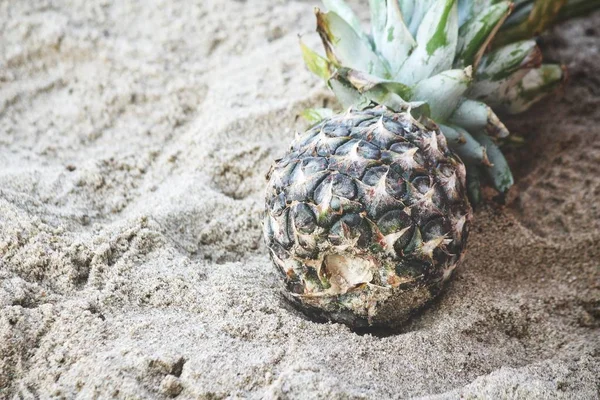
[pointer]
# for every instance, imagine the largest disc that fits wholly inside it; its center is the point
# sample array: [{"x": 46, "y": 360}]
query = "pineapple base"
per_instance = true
[{"x": 392, "y": 312}]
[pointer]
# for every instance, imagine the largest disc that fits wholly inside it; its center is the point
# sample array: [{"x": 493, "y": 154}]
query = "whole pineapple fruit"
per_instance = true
[{"x": 367, "y": 215}]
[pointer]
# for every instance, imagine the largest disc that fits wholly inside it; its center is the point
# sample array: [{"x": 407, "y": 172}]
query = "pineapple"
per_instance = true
[{"x": 367, "y": 215}]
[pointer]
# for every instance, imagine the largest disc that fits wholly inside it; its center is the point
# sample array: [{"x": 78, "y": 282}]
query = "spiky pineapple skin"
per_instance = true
[{"x": 366, "y": 216}]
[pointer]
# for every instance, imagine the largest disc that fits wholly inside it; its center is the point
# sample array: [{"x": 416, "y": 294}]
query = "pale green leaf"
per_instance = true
[
  {"x": 407, "y": 8},
  {"x": 347, "y": 95},
  {"x": 316, "y": 64},
  {"x": 475, "y": 35},
  {"x": 391, "y": 100},
  {"x": 443, "y": 91},
  {"x": 465, "y": 11},
  {"x": 341, "y": 8},
  {"x": 542, "y": 15},
  {"x": 499, "y": 172},
  {"x": 364, "y": 82},
  {"x": 436, "y": 44},
  {"x": 390, "y": 34},
  {"x": 344, "y": 47},
  {"x": 474, "y": 183},
  {"x": 378, "y": 10},
  {"x": 393, "y": 95},
  {"x": 316, "y": 115},
  {"x": 414, "y": 12},
  {"x": 468, "y": 9},
  {"x": 504, "y": 61},
  {"x": 503, "y": 69},
  {"x": 477, "y": 116},
  {"x": 463, "y": 144},
  {"x": 535, "y": 85}
]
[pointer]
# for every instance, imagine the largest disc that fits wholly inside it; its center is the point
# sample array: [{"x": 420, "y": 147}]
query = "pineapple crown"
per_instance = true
[{"x": 436, "y": 58}]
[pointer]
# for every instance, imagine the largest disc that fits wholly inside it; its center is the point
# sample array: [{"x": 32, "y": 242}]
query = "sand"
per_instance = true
[{"x": 134, "y": 140}]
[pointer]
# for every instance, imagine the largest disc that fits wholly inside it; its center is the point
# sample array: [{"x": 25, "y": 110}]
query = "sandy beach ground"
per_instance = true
[{"x": 134, "y": 140}]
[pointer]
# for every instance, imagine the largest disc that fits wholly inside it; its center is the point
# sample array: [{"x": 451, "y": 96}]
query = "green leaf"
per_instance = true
[
  {"x": 391, "y": 100},
  {"x": 345, "y": 12},
  {"x": 468, "y": 9},
  {"x": 526, "y": 21},
  {"x": 577, "y": 8},
  {"x": 534, "y": 86},
  {"x": 463, "y": 144},
  {"x": 519, "y": 15},
  {"x": 499, "y": 172},
  {"x": 347, "y": 95},
  {"x": 474, "y": 184},
  {"x": 414, "y": 11},
  {"x": 344, "y": 47},
  {"x": 571, "y": 9},
  {"x": 378, "y": 10},
  {"x": 316, "y": 115},
  {"x": 506, "y": 60},
  {"x": 542, "y": 15},
  {"x": 393, "y": 95},
  {"x": 476, "y": 116},
  {"x": 443, "y": 91},
  {"x": 520, "y": 3},
  {"x": 465, "y": 11},
  {"x": 436, "y": 44},
  {"x": 475, "y": 35},
  {"x": 316, "y": 64},
  {"x": 390, "y": 34},
  {"x": 502, "y": 69},
  {"x": 364, "y": 82}
]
